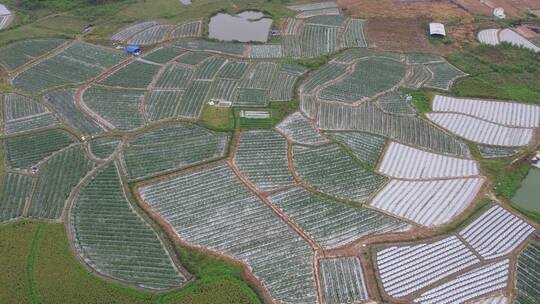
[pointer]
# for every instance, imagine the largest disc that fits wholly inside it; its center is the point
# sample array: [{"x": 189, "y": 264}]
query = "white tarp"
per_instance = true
[
  {"x": 437, "y": 29},
  {"x": 4, "y": 10}
]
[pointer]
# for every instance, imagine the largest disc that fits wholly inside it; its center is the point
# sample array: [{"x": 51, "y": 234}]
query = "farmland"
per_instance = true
[{"x": 332, "y": 164}]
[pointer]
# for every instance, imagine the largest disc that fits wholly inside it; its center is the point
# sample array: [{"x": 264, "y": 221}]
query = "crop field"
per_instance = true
[
  {"x": 428, "y": 203},
  {"x": 496, "y": 152},
  {"x": 112, "y": 239},
  {"x": 504, "y": 113},
  {"x": 321, "y": 76},
  {"x": 23, "y": 114},
  {"x": 119, "y": 107},
  {"x": 395, "y": 103},
  {"x": 265, "y": 51},
  {"x": 24, "y": 151},
  {"x": 331, "y": 170},
  {"x": 419, "y": 76},
  {"x": 104, "y": 147},
  {"x": 127, "y": 32},
  {"x": 193, "y": 58},
  {"x": 175, "y": 76},
  {"x": 481, "y": 131},
  {"x": 163, "y": 55},
  {"x": 353, "y": 37},
  {"x": 282, "y": 87},
  {"x": 250, "y": 97},
  {"x": 368, "y": 78},
  {"x": 493, "y": 300},
  {"x": 424, "y": 58},
  {"x": 343, "y": 280},
  {"x": 17, "y": 54},
  {"x": 259, "y": 75},
  {"x": 444, "y": 75},
  {"x": 406, "y": 269},
  {"x": 261, "y": 157},
  {"x": 475, "y": 283},
  {"x": 528, "y": 274},
  {"x": 63, "y": 103},
  {"x": 401, "y": 161},
  {"x": 332, "y": 224},
  {"x": 137, "y": 74},
  {"x": 77, "y": 63},
  {"x": 300, "y": 130},
  {"x": 364, "y": 146},
  {"x": 162, "y": 104},
  {"x": 410, "y": 130},
  {"x": 223, "y": 90},
  {"x": 233, "y": 70},
  {"x": 226, "y": 48},
  {"x": 57, "y": 176},
  {"x": 16, "y": 190},
  {"x": 496, "y": 232},
  {"x": 193, "y": 99},
  {"x": 186, "y": 30},
  {"x": 353, "y": 55},
  {"x": 209, "y": 68},
  {"x": 213, "y": 209},
  {"x": 151, "y": 35},
  {"x": 171, "y": 147}
]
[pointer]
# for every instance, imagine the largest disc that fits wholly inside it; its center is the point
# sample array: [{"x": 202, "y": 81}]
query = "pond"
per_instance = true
[
  {"x": 246, "y": 26},
  {"x": 528, "y": 196}
]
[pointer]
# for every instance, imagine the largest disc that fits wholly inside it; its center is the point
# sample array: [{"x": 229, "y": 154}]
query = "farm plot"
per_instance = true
[
  {"x": 132, "y": 29},
  {"x": 171, "y": 147},
  {"x": 369, "y": 77},
  {"x": 119, "y": 107},
  {"x": 24, "y": 114},
  {"x": 291, "y": 46},
  {"x": 63, "y": 102},
  {"x": 250, "y": 97},
  {"x": 332, "y": 224},
  {"x": 496, "y": 232},
  {"x": 187, "y": 30},
  {"x": 331, "y": 170},
  {"x": 137, "y": 74},
  {"x": 326, "y": 20},
  {"x": 77, "y": 63},
  {"x": 259, "y": 75},
  {"x": 193, "y": 99},
  {"x": 317, "y": 40},
  {"x": 223, "y": 90},
  {"x": 350, "y": 56},
  {"x": 261, "y": 157},
  {"x": 16, "y": 190},
  {"x": 470, "y": 285},
  {"x": 208, "y": 69},
  {"x": 481, "y": 131},
  {"x": 342, "y": 280},
  {"x": 496, "y": 152},
  {"x": 265, "y": 51},
  {"x": 423, "y": 58},
  {"x": 409, "y": 130},
  {"x": 175, "y": 76},
  {"x": 312, "y": 6},
  {"x": 353, "y": 36},
  {"x": 318, "y": 12},
  {"x": 151, "y": 35},
  {"x": 364, "y": 146},
  {"x": 395, "y": 103},
  {"x": 213, "y": 209},
  {"x": 417, "y": 77},
  {"x": 282, "y": 88},
  {"x": 17, "y": 54},
  {"x": 493, "y": 300},
  {"x": 323, "y": 75},
  {"x": 528, "y": 274},
  {"x": 308, "y": 105},
  {"x": 162, "y": 104},
  {"x": 104, "y": 147},
  {"x": 300, "y": 130},
  {"x": 193, "y": 58},
  {"x": 113, "y": 240},
  {"x": 23, "y": 151},
  {"x": 508, "y": 35},
  {"x": 504, "y": 113},
  {"x": 428, "y": 203},
  {"x": 233, "y": 70},
  {"x": 57, "y": 176},
  {"x": 291, "y": 26},
  {"x": 163, "y": 54},
  {"x": 489, "y": 36},
  {"x": 408, "y": 268},
  {"x": 444, "y": 75},
  {"x": 227, "y": 48},
  {"x": 401, "y": 161}
]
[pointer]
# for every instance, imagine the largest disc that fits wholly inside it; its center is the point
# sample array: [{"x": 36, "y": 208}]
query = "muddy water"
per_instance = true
[
  {"x": 244, "y": 27},
  {"x": 527, "y": 196}
]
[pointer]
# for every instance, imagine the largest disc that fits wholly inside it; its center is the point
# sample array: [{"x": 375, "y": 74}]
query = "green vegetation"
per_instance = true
[
  {"x": 278, "y": 111},
  {"x": 39, "y": 267},
  {"x": 501, "y": 72},
  {"x": 218, "y": 118},
  {"x": 480, "y": 207},
  {"x": 312, "y": 63},
  {"x": 421, "y": 99},
  {"x": 507, "y": 177}
]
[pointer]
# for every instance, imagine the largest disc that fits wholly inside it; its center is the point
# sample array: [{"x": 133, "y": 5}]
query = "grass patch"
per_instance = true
[
  {"x": 507, "y": 177},
  {"x": 421, "y": 99},
  {"x": 38, "y": 266},
  {"x": 278, "y": 111},
  {"x": 501, "y": 72},
  {"x": 218, "y": 118},
  {"x": 311, "y": 63}
]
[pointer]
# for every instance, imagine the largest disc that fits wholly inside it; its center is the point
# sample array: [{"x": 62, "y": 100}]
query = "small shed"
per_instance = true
[
  {"x": 133, "y": 49},
  {"x": 437, "y": 30}
]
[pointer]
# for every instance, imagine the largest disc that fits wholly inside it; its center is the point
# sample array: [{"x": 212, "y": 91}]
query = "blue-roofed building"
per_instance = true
[{"x": 133, "y": 49}]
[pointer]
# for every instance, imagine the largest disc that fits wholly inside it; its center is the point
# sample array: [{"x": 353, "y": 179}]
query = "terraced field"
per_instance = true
[
  {"x": 343, "y": 280},
  {"x": 22, "y": 114},
  {"x": 16, "y": 190}
]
